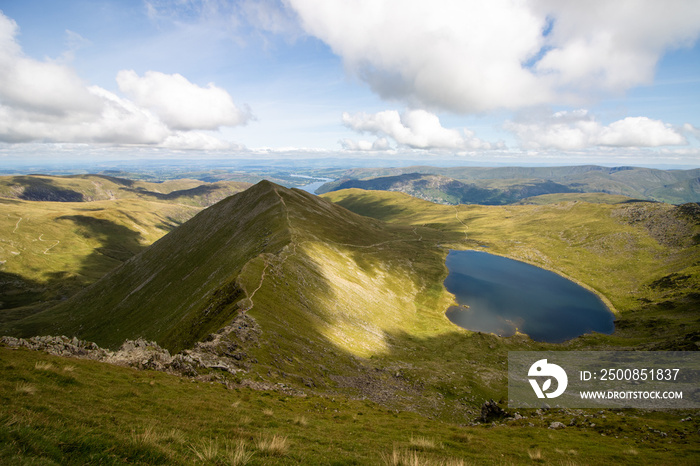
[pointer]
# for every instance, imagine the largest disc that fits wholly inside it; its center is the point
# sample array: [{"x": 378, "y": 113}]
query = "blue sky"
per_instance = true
[{"x": 538, "y": 81}]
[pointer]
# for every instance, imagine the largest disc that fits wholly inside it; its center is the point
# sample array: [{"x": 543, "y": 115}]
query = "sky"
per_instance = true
[{"x": 471, "y": 82}]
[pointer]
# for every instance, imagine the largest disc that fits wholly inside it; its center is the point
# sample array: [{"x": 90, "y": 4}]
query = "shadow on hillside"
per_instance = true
[
  {"x": 118, "y": 244},
  {"x": 18, "y": 291},
  {"x": 203, "y": 190},
  {"x": 41, "y": 189}
]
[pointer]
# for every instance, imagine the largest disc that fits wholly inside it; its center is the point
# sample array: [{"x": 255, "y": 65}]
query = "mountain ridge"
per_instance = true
[
  {"x": 507, "y": 185},
  {"x": 194, "y": 280}
]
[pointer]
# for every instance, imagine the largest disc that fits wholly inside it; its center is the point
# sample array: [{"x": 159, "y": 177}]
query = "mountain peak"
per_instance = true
[{"x": 194, "y": 280}]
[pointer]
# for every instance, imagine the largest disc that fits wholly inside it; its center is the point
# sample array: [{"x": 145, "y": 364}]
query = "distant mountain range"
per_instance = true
[{"x": 508, "y": 185}]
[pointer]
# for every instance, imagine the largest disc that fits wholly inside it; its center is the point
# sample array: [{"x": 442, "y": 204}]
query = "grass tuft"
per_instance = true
[
  {"x": 423, "y": 443},
  {"x": 26, "y": 388},
  {"x": 206, "y": 450},
  {"x": 43, "y": 365},
  {"x": 301, "y": 421},
  {"x": 68, "y": 368},
  {"x": 413, "y": 458},
  {"x": 535, "y": 454},
  {"x": 276, "y": 445},
  {"x": 237, "y": 454}
]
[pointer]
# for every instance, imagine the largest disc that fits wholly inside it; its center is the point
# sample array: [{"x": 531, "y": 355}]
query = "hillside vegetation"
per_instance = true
[
  {"x": 347, "y": 303},
  {"x": 507, "y": 185},
  {"x": 334, "y": 313},
  {"x": 59, "y": 234},
  {"x": 87, "y": 188},
  {"x": 71, "y": 411}
]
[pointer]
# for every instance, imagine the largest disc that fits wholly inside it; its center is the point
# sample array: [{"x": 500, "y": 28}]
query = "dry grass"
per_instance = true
[
  {"x": 268, "y": 412},
  {"x": 631, "y": 451},
  {"x": 535, "y": 454},
  {"x": 43, "y": 365},
  {"x": 237, "y": 454},
  {"x": 68, "y": 368},
  {"x": 151, "y": 436},
  {"x": 276, "y": 445},
  {"x": 413, "y": 458},
  {"x": 26, "y": 388},
  {"x": 206, "y": 450},
  {"x": 423, "y": 443},
  {"x": 300, "y": 421}
]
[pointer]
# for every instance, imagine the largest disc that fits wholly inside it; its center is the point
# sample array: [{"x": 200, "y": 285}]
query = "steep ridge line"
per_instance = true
[{"x": 282, "y": 257}]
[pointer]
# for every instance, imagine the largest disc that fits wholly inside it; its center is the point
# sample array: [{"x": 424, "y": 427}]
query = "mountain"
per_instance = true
[
  {"x": 87, "y": 188},
  {"x": 59, "y": 234},
  {"x": 297, "y": 294},
  {"x": 444, "y": 190},
  {"x": 291, "y": 260},
  {"x": 506, "y": 185}
]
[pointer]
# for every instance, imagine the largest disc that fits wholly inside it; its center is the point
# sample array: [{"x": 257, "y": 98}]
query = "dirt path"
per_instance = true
[
  {"x": 17, "y": 225},
  {"x": 50, "y": 247},
  {"x": 466, "y": 236}
]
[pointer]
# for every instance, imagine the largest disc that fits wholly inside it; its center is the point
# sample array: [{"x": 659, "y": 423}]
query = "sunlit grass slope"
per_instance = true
[
  {"x": 85, "y": 188},
  {"x": 59, "y": 234},
  {"x": 642, "y": 257},
  {"x": 300, "y": 264},
  {"x": 68, "y": 411},
  {"x": 49, "y": 250},
  {"x": 354, "y": 305}
]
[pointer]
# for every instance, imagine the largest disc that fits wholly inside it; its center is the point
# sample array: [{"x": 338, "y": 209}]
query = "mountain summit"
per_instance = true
[{"x": 299, "y": 265}]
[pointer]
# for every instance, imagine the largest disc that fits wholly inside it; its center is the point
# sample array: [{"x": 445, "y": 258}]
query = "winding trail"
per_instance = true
[
  {"x": 262, "y": 279},
  {"x": 50, "y": 247},
  {"x": 17, "y": 225}
]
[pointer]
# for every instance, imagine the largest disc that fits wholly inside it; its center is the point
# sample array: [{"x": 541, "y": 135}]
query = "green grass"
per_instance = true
[
  {"x": 352, "y": 307},
  {"x": 49, "y": 250},
  {"x": 106, "y": 414}
]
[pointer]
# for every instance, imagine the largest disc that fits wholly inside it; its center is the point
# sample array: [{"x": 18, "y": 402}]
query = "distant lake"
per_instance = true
[
  {"x": 314, "y": 185},
  {"x": 503, "y": 295}
]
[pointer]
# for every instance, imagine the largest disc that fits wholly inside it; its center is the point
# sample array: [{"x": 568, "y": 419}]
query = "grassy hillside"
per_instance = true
[
  {"x": 506, "y": 185},
  {"x": 348, "y": 304},
  {"x": 59, "y": 234},
  {"x": 623, "y": 252},
  {"x": 49, "y": 250},
  {"x": 86, "y": 188},
  {"x": 305, "y": 296},
  {"x": 71, "y": 411}
]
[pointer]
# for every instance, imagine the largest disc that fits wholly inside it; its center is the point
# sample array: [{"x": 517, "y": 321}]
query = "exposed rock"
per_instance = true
[
  {"x": 490, "y": 410},
  {"x": 557, "y": 425},
  {"x": 221, "y": 351}
]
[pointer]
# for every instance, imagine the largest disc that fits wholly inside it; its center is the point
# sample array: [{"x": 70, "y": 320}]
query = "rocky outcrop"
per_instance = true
[{"x": 222, "y": 351}]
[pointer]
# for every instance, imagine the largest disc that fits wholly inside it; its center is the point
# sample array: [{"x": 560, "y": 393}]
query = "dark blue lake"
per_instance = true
[{"x": 503, "y": 295}]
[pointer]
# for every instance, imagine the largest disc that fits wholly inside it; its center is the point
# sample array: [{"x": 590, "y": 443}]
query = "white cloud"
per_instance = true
[
  {"x": 473, "y": 56},
  {"x": 417, "y": 129},
  {"x": 35, "y": 86},
  {"x": 379, "y": 144},
  {"x": 181, "y": 104},
  {"x": 47, "y": 101},
  {"x": 197, "y": 140},
  {"x": 580, "y": 130}
]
